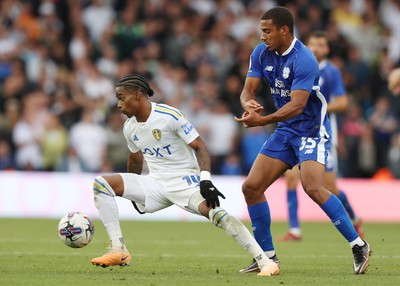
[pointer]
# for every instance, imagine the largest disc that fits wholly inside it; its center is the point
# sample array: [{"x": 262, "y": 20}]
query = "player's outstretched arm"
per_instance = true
[
  {"x": 338, "y": 104},
  {"x": 135, "y": 162},
  {"x": 207, "y": 189}
]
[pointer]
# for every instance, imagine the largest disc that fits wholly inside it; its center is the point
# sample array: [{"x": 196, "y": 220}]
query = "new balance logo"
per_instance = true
[
  {"x": 269, "y": 68},
  {"x": 135, "y": 138}
]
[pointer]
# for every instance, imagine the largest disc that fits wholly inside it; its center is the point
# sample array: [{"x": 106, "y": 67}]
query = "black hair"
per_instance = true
[
  {"x": 136, "y": 81},
  {"x": 280, "y": 16},
  {"x": 316, "y": 34}
]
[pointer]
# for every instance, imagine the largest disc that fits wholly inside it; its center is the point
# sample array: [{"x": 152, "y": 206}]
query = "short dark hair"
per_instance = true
[
  {"x": 280, "y": 16},
  {"x": 316, "y": 34},
  {"x": 137, "y": 82}
]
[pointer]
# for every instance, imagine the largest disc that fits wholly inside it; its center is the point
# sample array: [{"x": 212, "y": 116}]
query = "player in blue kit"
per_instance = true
[
  {"x": 331, "y": 84},
  {"x": 179, "y": 174},
  {"x": 302, "y": 135}
]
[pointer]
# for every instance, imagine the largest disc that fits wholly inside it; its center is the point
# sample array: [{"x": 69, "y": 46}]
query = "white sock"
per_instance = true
[
  {"x": 295, "y": 231},
  {"x": 236, "y": 229},
  {"x": 104, "y": 200},
  {"x": 358, "y": 241},
  {"x": 270, "y": 253}
]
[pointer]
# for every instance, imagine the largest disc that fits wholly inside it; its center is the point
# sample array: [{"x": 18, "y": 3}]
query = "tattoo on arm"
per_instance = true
[{"x": 203, "y": 159}]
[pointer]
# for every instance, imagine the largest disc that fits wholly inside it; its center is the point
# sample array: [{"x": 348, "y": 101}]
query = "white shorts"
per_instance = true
[{"x": 150, "y": 195}]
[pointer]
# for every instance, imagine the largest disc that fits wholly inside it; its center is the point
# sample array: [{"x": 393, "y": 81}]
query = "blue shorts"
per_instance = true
[{"x": 293, "y": 149}]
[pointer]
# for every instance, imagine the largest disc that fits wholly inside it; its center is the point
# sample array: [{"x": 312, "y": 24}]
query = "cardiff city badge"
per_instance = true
[{"x": 286, "y": 72}]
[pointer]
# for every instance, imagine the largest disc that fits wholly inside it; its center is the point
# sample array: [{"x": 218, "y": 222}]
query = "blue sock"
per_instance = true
[
  {"x": 292, "y": 207},
  {"x": 261, "y": 223},
  {"x": 342, "y": 197},
  {"x": 336, "y": 212}
]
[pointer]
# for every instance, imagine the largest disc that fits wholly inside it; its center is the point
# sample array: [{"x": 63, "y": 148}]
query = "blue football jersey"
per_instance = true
[
  {"x": 330, "y": 81},
  {"x": 331, "y": 84},
  {"x": 295, "y": 69}
]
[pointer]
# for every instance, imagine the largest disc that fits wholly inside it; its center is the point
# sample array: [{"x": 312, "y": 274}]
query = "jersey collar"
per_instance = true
[{"x": 289, "y": 49}]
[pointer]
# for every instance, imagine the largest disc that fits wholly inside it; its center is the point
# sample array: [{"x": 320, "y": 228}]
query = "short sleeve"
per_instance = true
[
  {"x": 305, "y": 72},
  {"x": 131, "y": 146},
  {"x": 185, "y": 129},
  {"x": 255, "y": 65}
]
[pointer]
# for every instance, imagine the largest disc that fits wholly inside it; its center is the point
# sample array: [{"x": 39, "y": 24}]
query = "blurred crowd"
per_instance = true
[{"x": 60, "y": 60}]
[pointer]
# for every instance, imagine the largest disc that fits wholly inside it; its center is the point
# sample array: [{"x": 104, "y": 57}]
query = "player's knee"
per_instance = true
[
  {"x": 316, "y": 193},
  {"x": 220, "y": 218},
  {"x": 250, "y": 192},
  {"x": 102, "y": 188}
]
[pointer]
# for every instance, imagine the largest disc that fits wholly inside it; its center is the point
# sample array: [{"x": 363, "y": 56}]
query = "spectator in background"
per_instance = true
[
  {"x": 231, "y": 165},
  {"x": 223, "y": 137},
  {"x": 107, "y": 63},
  {"x": 91, "y": 154},
  {"x": 15, "y": 84},
  {"x": 366, "y": 161},
  {"x": 98, "y": 9},
  {"x": 10, "y": 117},
  {"x": 27, "y": 22},
  {"x": 357, "y": 72},
  {"x": 95, "y": 86},
  {"x": 6, "y": 156},
  {"x": 27, "y": 135},
  {"x": 117, "y": 152},
  {"x": 231, "y": 93},
  {"x": 352, "y": 131},
  {"x": 54, "y": 142},
  {"x": 80, "y": 47},
  {"x": 384, "y": 124},
  {"x": 128, "y": 31},
  {"x": 199, "y": 113}
]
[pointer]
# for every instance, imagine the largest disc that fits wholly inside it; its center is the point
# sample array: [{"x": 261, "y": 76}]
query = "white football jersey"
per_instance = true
[{"x": 163, "y": 140}]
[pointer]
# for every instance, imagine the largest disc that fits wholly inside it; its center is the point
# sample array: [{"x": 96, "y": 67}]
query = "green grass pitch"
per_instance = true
[{"x": 190, "y": 253}]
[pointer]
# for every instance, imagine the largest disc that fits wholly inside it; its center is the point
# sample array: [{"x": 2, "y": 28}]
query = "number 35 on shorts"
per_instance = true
[{"x": 314, "y": 148}]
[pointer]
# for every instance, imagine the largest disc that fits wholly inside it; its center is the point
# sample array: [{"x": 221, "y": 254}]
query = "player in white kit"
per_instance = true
[{"x": 179, "y": 174}]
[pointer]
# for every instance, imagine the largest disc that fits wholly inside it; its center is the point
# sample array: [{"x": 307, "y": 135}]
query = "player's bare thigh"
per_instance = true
[
  {"x": 263, "y": 173},
  {"x": 292, "y": 178},
  {"x": 312, "y": 179}
]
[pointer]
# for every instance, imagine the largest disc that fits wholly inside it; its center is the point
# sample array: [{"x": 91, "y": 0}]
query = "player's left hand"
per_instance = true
[{"x": 210, "y": 193}]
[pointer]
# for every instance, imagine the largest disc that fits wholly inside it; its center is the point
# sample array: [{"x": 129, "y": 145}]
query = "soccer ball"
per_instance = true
[{"x": 75, "y": 229}]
